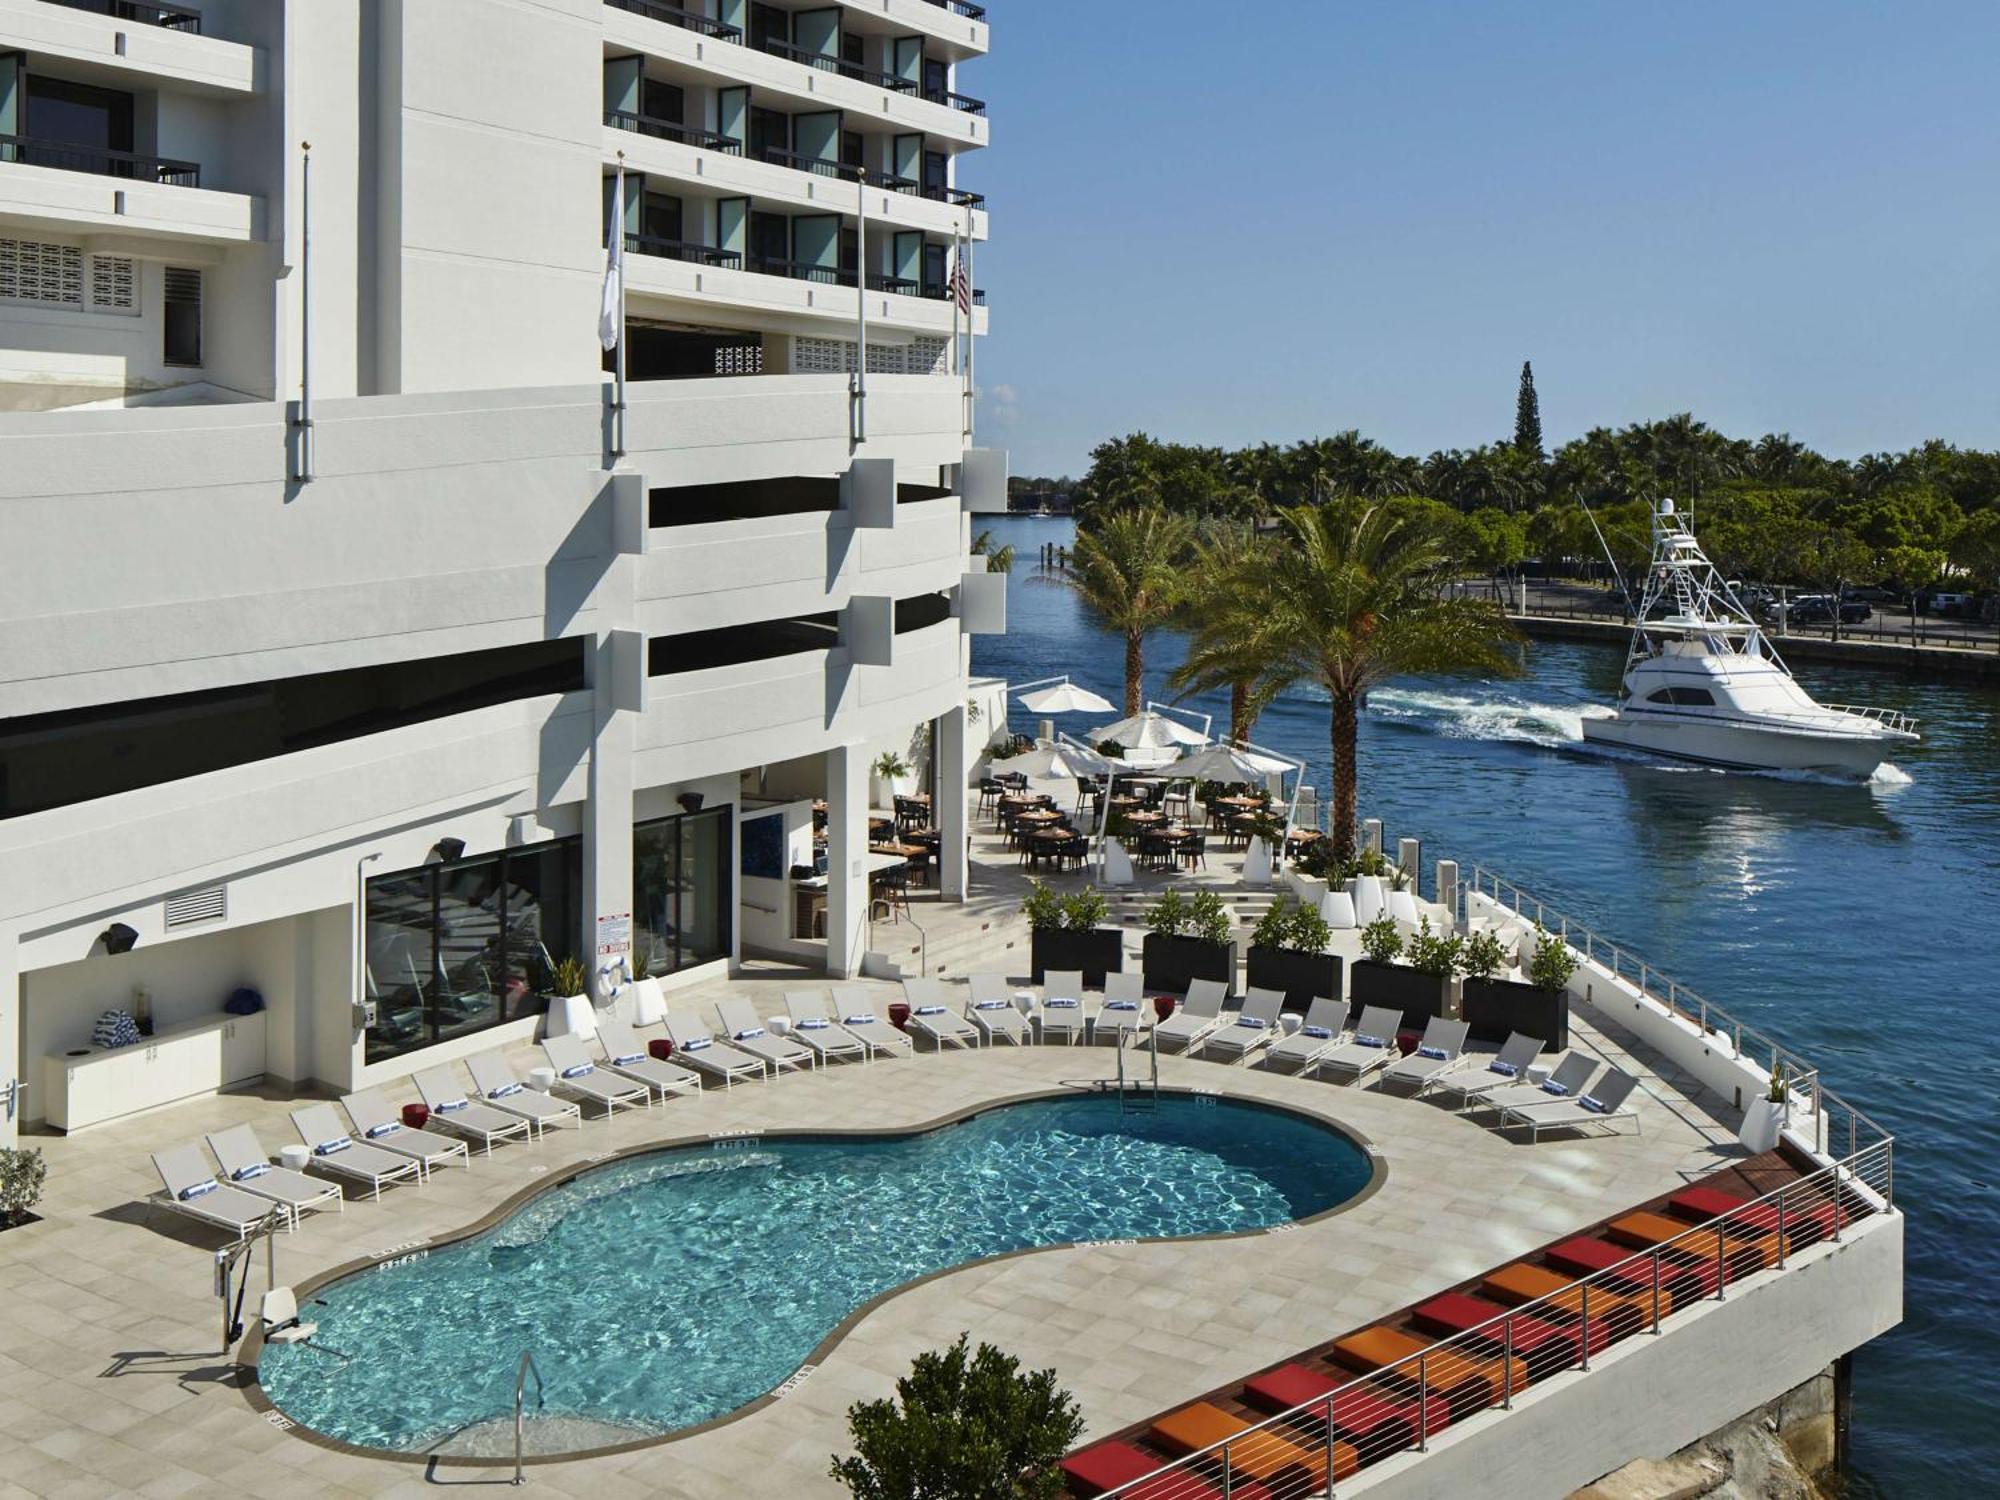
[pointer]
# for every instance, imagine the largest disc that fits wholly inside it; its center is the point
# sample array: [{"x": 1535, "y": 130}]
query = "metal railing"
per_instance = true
[
  {"x": 832, "y": 62},
  {"x": 1400, "y": 1404},
  {"x": 957, "y": 197},
  {"x": 964, "y": 8},
  {"x": 688, "y": 250},
  {"x": 167, "y": 17},
  {"x": 798, "y": 161},
  {"x": 68, "y": 157},
  {"x": 1827, "y": 1112},
  {"x": 672, "y": 130},
  {"x": 963, "y": 102},
  {"x": 674, "y": 15},
  {"x": 521, "y": 1409},
  {"x": 1889, "y": 718}
]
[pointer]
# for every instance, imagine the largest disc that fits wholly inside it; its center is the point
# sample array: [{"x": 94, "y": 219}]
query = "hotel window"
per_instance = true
[
  {"x": 461, "y": 946},
  {"x": 681, "y": 891}
]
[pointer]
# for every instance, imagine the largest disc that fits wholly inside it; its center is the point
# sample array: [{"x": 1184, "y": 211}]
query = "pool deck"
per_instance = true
[{"x": 112, "y": 1381}]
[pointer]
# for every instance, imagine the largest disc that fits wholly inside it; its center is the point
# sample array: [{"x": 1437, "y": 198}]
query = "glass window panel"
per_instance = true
[
  {"x": 653, "y": 859},
  {"x": 396, "y": 979},
  {"x": 704, "y": 887}
]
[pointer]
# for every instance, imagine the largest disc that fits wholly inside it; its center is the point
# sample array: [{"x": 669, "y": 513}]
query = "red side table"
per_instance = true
[
  {"x": 661, "y": 1048},
  {"x": 1164, "y": 1006},
  {"x": 416, "y": 1116},
  {"x": 1406, "y": 1041},
  {"x": 899, "y": 1015}
]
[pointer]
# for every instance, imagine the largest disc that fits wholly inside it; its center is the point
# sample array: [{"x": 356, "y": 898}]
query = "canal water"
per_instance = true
[{"x": 1858, "y": 924}]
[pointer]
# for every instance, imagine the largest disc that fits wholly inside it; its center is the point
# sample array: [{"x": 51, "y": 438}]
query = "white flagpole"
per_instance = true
[
  {"x": 611, "y": 310},
  {"x": 971, "y": 333},
  {"x": 861, "y": 304},
  {"x": 951, "y": 288},
  {"x": 618, "y": 433},
  {"x": 305, "y": 454}
]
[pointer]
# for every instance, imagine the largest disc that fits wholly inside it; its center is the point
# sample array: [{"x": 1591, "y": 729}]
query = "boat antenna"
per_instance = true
[{"x": 1617, "y": 577}]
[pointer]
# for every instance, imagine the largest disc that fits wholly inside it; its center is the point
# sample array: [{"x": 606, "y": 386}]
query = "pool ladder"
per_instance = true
[
  {"x": 521, "y": 1408},
  {"x": 1147, "y": 1089}
]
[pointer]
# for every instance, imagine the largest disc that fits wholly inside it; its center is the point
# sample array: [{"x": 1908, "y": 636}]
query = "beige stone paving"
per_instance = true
[{"x": 112, "y": 1381}]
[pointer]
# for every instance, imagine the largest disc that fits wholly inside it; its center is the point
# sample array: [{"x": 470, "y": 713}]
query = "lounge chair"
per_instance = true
[
  {"x": 695, "y": 1045},
  {"x": 192, "y": 1189},
  {"x": 748, "y": 1033},
  {"x": 335, "y": 1151},
  {"x": 1195, "y": 1017},
  {"x": 579, "y": 1078},
  {"x": 931, "y": 1016},
  {"x": 1063, "y": 1011},
  {"x": 990, "y": 1006},
  {"x": 855, "y": 1005},
  {"x": 452, "y": 1110},
  {"x": 1568, "y": 1079},
  {"x": 493, "y": 1076},
  {"x": 1372, "y": 1047},
  {"x": 1441, "y": 1050},
  {"x": 246, "y": 1164},
  {"x": 1602, "y": 1104},
  {"x": 1124, "y": 1009},
  {"x": 1317, "y": 1035},
  {"x": 1465, "y": 1085},
  {"x": 1253, "y": 1027},
  {"x": 622, "y": 1054},
  {"x": 379, "y": 1126}
]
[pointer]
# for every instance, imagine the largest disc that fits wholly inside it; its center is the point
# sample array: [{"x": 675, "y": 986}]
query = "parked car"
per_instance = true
[
  {"x": 1817, "y": 609},
  {"x": 1874, "y": 594},
  {"x": 1952, "y": 604}
]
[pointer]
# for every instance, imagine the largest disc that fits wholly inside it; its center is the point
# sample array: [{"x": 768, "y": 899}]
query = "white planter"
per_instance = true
[
  {"x": 884, "y": 790},
  {"x": 570, "y": 1015},
  {"x": 1366, "y": 891},
  {"x": 1257, "y": 863},
  {"x": 1762, "y": 1122}
]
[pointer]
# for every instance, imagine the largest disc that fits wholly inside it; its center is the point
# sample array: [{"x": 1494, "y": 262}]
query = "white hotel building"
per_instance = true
[{"x": 380, "y": 704}]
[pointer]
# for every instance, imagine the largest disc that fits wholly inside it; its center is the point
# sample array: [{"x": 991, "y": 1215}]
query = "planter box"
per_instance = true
[
  {"x": 1171, "y": 963},
  {"x": 1302, "y": 976},
  {"x": 1097, "y": 953},
  {"x": 1496, "y": 1008},
  {"x": 1419, "y": 997}
]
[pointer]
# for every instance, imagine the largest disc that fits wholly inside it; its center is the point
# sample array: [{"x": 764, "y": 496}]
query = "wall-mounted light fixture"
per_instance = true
[
  {"x": 118, "y": 938},
  {"x": 444, "y": 851},
  {"x": 690, "y": 801}
]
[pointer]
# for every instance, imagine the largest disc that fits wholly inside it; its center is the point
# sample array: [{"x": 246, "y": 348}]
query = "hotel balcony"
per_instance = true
[
  {"x": 73, "y": 188},
  {"x": 123, "y": 42}
]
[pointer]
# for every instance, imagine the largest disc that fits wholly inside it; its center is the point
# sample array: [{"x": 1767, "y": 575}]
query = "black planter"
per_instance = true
[
  {"x": 1098, "y": 952},
  {"x": 1419, "y": 997},
  {"x": 1302, "y": 976},
  {"x": 1496, "y": 1008},
  {"x": 1172, "y": 963}
]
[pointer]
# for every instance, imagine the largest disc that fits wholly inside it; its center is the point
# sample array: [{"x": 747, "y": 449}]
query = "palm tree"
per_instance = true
[
  {"x": 1354, "y": 596},
  {"x": 998, "y": 559},
  {"x": 1128, "y": 567},
  {"x": 1222, "y": 583}
]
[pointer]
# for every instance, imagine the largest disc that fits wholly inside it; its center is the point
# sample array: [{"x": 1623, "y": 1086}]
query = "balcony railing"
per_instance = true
[
  {"x": 827, "y": 62},
  {"x": 791, "y": 270},
  {"x": 687, "y": 250},
  {"x": 168, "y": 17},
  {"x": 957, "y": 197},
  {"x": 687, "y": 20},
  {"x": 33, "y": 152},
  {"x": 670, "y": 130},
  {"x": 963, "y": 102},
  {"x": 819, "y": 166},
  {"x": 964, "y": 8}
]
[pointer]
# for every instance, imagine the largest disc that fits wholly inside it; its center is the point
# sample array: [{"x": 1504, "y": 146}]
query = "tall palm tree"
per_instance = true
[
  {"x": 1353, "y": 596},
  {"x": 1128, "y": 567},
  {"x": 999, "y": 559},
  {"x": 1222, "y": 583}
]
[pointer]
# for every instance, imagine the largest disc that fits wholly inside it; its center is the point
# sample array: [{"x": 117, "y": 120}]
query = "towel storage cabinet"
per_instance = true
[{"x": 92, "y": 1085}]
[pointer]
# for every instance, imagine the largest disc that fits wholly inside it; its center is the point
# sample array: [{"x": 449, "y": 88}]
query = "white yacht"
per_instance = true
[{"x": 1703, "y": 684}]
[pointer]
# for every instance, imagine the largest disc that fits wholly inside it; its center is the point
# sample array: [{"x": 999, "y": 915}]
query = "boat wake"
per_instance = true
[{"x": 1459, "y": 716}]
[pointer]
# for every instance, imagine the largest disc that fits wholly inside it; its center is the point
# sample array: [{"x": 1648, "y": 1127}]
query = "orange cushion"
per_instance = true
[
  {"x": 1377, "y": 1348},
  {"x": 1648, "y": 1229},
  {"x": 1531, "y": 1283},
  {"x": 1261, "y": 1453}
]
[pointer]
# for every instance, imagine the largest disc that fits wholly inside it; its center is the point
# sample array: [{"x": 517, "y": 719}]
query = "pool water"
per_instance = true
[{"x": 672, "y": 1288}]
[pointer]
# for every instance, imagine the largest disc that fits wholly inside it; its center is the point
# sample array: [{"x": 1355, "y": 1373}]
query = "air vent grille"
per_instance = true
[{"x": 191, "y": 907}]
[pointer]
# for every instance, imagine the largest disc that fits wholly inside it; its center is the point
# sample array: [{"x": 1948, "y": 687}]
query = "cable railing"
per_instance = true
[
  {"x": 672, "y": 130},
  {"x": 1406, "y": 1387},
  {"x": 67, "y": 156},
  {"x": 687, "y": 20},
  {"x": 167, "y": 17}
]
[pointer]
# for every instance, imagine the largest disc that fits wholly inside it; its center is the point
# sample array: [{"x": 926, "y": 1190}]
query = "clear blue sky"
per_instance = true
[{"x": 1227, "y": 222}]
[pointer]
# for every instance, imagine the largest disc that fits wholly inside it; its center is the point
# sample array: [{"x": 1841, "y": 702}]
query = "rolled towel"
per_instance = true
[
  {"x": 1437, "y": 1054},
  {"x": 506, "y": 1091},
  {"x": 994, "y": 1005},
  {"x": 579, "y": 1070},
  {"x": 864, "y": 1018},
  {"x": 329, "y": 1148},
  {"x": 625, "y": 1060},
  {"x": 1369, "y": 1041},
  {"x": 1063, "y": 1004},
  {"x": 1505, "y": 1069},
  {"x": 930, "y": 1010},
  {"x": 1595, "y": 1106},
  {"x": 816, "y": 1023},
  {"x": 1552, "y": 1087},
  {"x": 749, "y": 1033},
  {"x": 255, "y": 1169},
  {"x": 1255, "y": 1023},
  {"x": 196, "y": 1190},
  {"x": 446, "y": 1106},
  {"x": 695, "y": 1044},
  {"x": 1317, "y": 1033},
  {"x": 376, "y": 1132},
  {"x": 1121, "y": 1005}
]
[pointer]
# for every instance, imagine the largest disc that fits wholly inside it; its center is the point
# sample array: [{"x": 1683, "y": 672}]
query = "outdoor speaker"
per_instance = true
[{"x": 118, "y": 938}]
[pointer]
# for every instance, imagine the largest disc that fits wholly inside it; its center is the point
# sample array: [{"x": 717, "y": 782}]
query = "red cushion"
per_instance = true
[
  {"x": 1358, "y": 1410},
  {"x": 1455, "y": 1312},
  {"x": 1107, "y": 1465},
  {"x": 1802, "y": 1217}
]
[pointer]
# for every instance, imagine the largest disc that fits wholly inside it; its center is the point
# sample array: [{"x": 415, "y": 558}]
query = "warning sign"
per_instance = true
[{"x": 614, "y": 934}]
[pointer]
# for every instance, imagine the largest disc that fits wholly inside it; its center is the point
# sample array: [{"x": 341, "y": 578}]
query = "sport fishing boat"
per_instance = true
[{"x": 1703, "y": 684}]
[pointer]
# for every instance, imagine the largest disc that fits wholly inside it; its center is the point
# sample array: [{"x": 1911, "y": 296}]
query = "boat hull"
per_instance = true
[{"x": 1744, "y": 748}]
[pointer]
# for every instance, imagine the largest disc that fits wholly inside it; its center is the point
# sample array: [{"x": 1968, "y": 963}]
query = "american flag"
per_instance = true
[{"x": 961, "y": 284}]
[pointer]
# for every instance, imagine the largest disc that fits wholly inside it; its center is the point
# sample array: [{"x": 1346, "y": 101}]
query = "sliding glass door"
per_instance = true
[{"x": 681, "y": 892}]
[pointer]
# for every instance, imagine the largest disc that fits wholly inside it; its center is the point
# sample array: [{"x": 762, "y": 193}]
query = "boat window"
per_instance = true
[{"x": 1686, "y": 697}]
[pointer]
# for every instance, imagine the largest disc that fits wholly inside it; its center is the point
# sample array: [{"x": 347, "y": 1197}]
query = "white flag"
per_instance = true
[{"x": 608, "y": 331}]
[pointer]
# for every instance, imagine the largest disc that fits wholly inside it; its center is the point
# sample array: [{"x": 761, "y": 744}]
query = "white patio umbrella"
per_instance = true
[
  {"x": 1149, "y": 731},
  {"x": 1226, "y": 763},
  {"x": 1064, "y": 698},
  {"x": 1059, "y": 761}
]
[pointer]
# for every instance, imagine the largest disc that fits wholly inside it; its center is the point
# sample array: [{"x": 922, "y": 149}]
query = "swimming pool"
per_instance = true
[{"x": 673, "y": 1287}]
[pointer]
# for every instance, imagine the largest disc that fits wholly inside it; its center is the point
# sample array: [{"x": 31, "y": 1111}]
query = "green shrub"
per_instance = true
[
  {"x": 1432, "y": 953},
  {"x": 569, "y": 977},
  {"x": 1043, "y": 908},
  {"x": 1169, "y": 916},
  {"x": 1274, "y": 928},
  {"x": 1484, "y": 955},
  {"x": 1308, "y": 931},
  {"x": 1083, "y": 910},
  {"x": 1209, "y": 919},
  {"x": 1380, "y": 941},
  {"x": 22, "y": 1174},
  {"x": 1553, "y": 963}
]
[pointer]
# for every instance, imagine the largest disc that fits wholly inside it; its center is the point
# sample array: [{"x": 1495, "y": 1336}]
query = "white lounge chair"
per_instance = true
[
  {"x": 1254, "y": 1027},
  {"x": 748, "y": 1033},
  {"x": 813, "y": 1025},
  {"x": 497, "y": 1084},
  {"x": 1570, "y": 1077},
  {"x": 622, "y": 1054},
  {"x": 1195, "y": 1017},
  {"x": 1464, "y": 1085},
  {"x": 190, "y": 1188},
  {"x": 1064, "y": 1012},
  {"x": 335, "y": 1151},
  {"x": 1372, "y": 1047},
  {"x": 1601, "y": 1104},
  {"x": 453, "y": 1110},
  {"x": 580, "y": 1078},
  {"x": 379, "y": 1126},
  {"x": 855, "y": 1005},
  {"x": 930, "y": 1016},
  {"x": 1124, "y": 1009},
  {"x": 1318, "y": 1034},
  {"x": 695, "y": 1045},
  {"x": 1441, "y": 1050},
  {"x": 990, "y": 1006},
  {"x": 247, "y": 1164}
]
